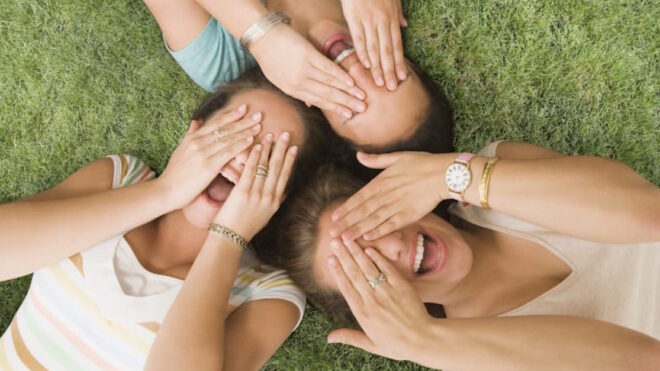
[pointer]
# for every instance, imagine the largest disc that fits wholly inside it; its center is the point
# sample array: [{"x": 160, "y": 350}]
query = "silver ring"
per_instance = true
[
  {"x": 343, "y": 55},
  {"x": 217, "y": 133},
  {"x": 376, "y": 281}
]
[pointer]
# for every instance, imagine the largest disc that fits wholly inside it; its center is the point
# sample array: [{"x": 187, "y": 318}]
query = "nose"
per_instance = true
[{"x": 391, "y": 246}]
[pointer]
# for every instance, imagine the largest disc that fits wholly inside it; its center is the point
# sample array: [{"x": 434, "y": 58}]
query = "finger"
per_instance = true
[
  {"x": 357, "y": 34},
  {"x": 251, "y": 122},
  {"x": 354, "y": 338},
  {"x": 352, "y": 270},
  {"x": 374, "y": 55},
  {"x": 193, "y": 127},
  {"x": 394, "y": 223},
  {"x": 378, "y": 161},
  {"x": 213, "y": 147},
  {"x": 387, "y": 56},
  {"x": 391, "y": 274},
  {"x": 275, "y": 164},
  {"x": 363, "y": 261},
  {"x": 375, "y": 197},
  {"x": 223, "y": 119},
  {"x": 402, "y": 18},
  {"x": 322, "y": 63},
  {"x": 399, "y": 59},
  {"x": 259, "y": 180},
  {"x": 355, "y": 91},
  {"x": 345, "y": 286},
  {"x": 223, "y": 155},
  {"x": 247, "y": 176},
  {"x": 339, "y": 97},
  {"x": 365, "y": 226},
  {"x": 286, "y": 171}
]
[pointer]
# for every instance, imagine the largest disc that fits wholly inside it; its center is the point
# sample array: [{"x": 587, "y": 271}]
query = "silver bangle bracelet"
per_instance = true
[
  {"x": 259, "y": 28},
  {"x": 229, "y": 234}
]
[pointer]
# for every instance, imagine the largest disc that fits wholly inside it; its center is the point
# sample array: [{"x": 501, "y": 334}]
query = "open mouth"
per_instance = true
[
  {"x": 219, "y": 189},
  {"x": 337, "y": 44},
  {"x": 429, "y": 254}
]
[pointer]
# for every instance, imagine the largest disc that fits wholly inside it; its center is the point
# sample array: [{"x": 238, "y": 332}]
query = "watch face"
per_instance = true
[{"x": 458, "y": 177}]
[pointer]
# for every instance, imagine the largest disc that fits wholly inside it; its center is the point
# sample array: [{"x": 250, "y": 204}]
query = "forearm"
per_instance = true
[
  {"x": 39, "y": 233},
  {"x": 586, "y": 197},
  {"x": 537, "y": 342},
  {"x": 235, "y": 15},
  {"x": 192, "y": 335}
]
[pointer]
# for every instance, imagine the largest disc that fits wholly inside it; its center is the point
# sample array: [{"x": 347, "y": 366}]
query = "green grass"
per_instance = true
[{"x": 82, "y": 79}]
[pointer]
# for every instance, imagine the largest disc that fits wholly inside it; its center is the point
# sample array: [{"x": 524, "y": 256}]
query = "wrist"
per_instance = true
[
  {"x": 166, "y": 194},
  {"x": 242, "y": 228},
  {"x": 260, "y": 47}
]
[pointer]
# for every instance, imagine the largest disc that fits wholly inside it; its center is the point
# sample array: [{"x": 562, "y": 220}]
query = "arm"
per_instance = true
[
  {"x": 585, "y": 197},
  {"x": 396, "y": 325},
  {"x": 194, "y": 334},
  {"x": 83, "y": 210}
]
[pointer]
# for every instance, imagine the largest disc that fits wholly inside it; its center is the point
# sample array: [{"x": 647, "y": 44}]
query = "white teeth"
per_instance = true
[
  {"x": 419, "y": 253},
  {"x": 229, "y": 176}
]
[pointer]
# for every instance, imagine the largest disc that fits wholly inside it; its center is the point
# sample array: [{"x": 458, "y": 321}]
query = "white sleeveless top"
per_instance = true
[{"x": 615, "y": 283}]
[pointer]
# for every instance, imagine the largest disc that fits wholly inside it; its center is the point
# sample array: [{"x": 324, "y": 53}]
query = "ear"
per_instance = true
[{"x": 378, "y": 161}]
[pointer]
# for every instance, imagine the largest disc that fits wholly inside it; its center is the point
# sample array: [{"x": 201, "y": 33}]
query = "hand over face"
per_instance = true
[
  {"x": 260, "y": 189},
  {"x": 376, "y": 31},
  {"x": 393, "y": 318},
  {"x": 410, "y": 187},
  {"x": 204, "y": 151},
  {"x": 293, "y": 64}
]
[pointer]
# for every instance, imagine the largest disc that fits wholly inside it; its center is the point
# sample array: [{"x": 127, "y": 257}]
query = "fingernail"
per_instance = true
[
  {"x": 379, "y": 81},
  {"x": 349, "y": 82},
  {"x": 391, "y": 84},
  {"x": 348, "y": 235},
  {"x": 249, "y": 139},
  {"x": 293, "y": 150},
  {"x": 359, "y": 95},
  {"x": 347, "y": 114},
  {"x": 257, "y": 148},
  {"x": 269, "y": 137},
  {"x": 331, "y": 340},
  {"x": 334, "y": 245},
  {"x": 369, "y": 251},
  {"x": 256, "y": 116},
  {"x": 360, "y": 107},
  {"x": 367, "y": 236},
  {"x": 332, "y": 261},
  {"x": 366, "y": 63},
  {"x": 242, "y": 108},
  {"x": 256, "y": 128},
  {"x": 285, "y": 136},
  {"x": 335, "y": 231},
  {"x": 402, "y": 74}
]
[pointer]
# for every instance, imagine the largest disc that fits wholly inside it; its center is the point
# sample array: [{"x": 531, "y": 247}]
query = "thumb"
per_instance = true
[
  {"x": 351, "y": 337},
  {"x": 380, "y": 161},
  {"x": 402, "y": 19}
]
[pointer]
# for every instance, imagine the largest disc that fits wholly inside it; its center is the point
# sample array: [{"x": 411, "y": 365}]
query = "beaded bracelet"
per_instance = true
[
  {"x": 229, "y": 234},
  {"x": 259, "y": 28}
]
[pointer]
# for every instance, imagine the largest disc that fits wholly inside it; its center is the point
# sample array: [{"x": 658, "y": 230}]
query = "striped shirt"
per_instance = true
[{"x": 100, "y": 309}]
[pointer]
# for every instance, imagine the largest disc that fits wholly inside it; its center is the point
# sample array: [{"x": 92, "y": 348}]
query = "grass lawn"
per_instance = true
[{"x": 82, "y": 79}]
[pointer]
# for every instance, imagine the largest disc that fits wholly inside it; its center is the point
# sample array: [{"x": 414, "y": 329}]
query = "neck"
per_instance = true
[
  {"x": 477, "y": 294},
  {"x": 176, "y": 243}
]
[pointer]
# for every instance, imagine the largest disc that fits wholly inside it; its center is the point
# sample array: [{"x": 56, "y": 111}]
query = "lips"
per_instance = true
[
  {"x": 336, "y": 44},
  {"x": 435, "y": 254}
]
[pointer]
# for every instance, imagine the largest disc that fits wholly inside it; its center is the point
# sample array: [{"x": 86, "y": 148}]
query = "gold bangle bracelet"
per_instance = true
[
  {"x": 484, "y": 182},
  {"x": 229, "y": 234}
]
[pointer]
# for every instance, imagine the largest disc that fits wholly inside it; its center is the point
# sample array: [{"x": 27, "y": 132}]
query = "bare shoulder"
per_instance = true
[
  {"x": 524, "y": 151},
  {"x": 92, "y": 178}
]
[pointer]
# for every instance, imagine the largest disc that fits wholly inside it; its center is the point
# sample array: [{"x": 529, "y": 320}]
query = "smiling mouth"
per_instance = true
[
  {"x": 220, "y": 187},
  {"x": 429, "y": 255},
  {"x": 337, "y": 44}
]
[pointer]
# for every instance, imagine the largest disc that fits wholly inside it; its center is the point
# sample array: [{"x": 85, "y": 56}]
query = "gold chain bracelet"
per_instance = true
[{"x": 229, "y": 234}]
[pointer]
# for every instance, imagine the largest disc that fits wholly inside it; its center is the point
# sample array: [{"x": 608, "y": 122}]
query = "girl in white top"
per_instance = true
[
  {"x": 562, "y": 273},
  {"x": 128, "y": 274}
]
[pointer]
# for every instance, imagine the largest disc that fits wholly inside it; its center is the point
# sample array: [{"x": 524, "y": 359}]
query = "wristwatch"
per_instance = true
[{"x": 459, "y": 176}]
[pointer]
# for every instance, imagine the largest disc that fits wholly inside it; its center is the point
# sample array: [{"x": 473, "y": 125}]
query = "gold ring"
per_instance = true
[
  {"x": 262, "y": 171},
  {"x": 376, "y": 281}
]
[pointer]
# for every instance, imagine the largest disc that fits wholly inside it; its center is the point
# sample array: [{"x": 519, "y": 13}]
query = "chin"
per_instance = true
[{"x": 201, "y": 211}]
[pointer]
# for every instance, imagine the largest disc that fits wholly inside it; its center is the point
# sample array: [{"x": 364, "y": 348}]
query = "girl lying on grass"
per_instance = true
[
  {"x": 398, "y": 115},
  {"x": 550, "y": 262},
  {"x": 131, "y": 269}
]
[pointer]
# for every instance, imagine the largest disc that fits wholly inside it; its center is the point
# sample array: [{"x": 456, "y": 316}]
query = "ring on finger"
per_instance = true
[
  {"x": 261, "y": 171},
  {"x": 218, "y": 134},
  {"x": 376, "y": 281}
]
